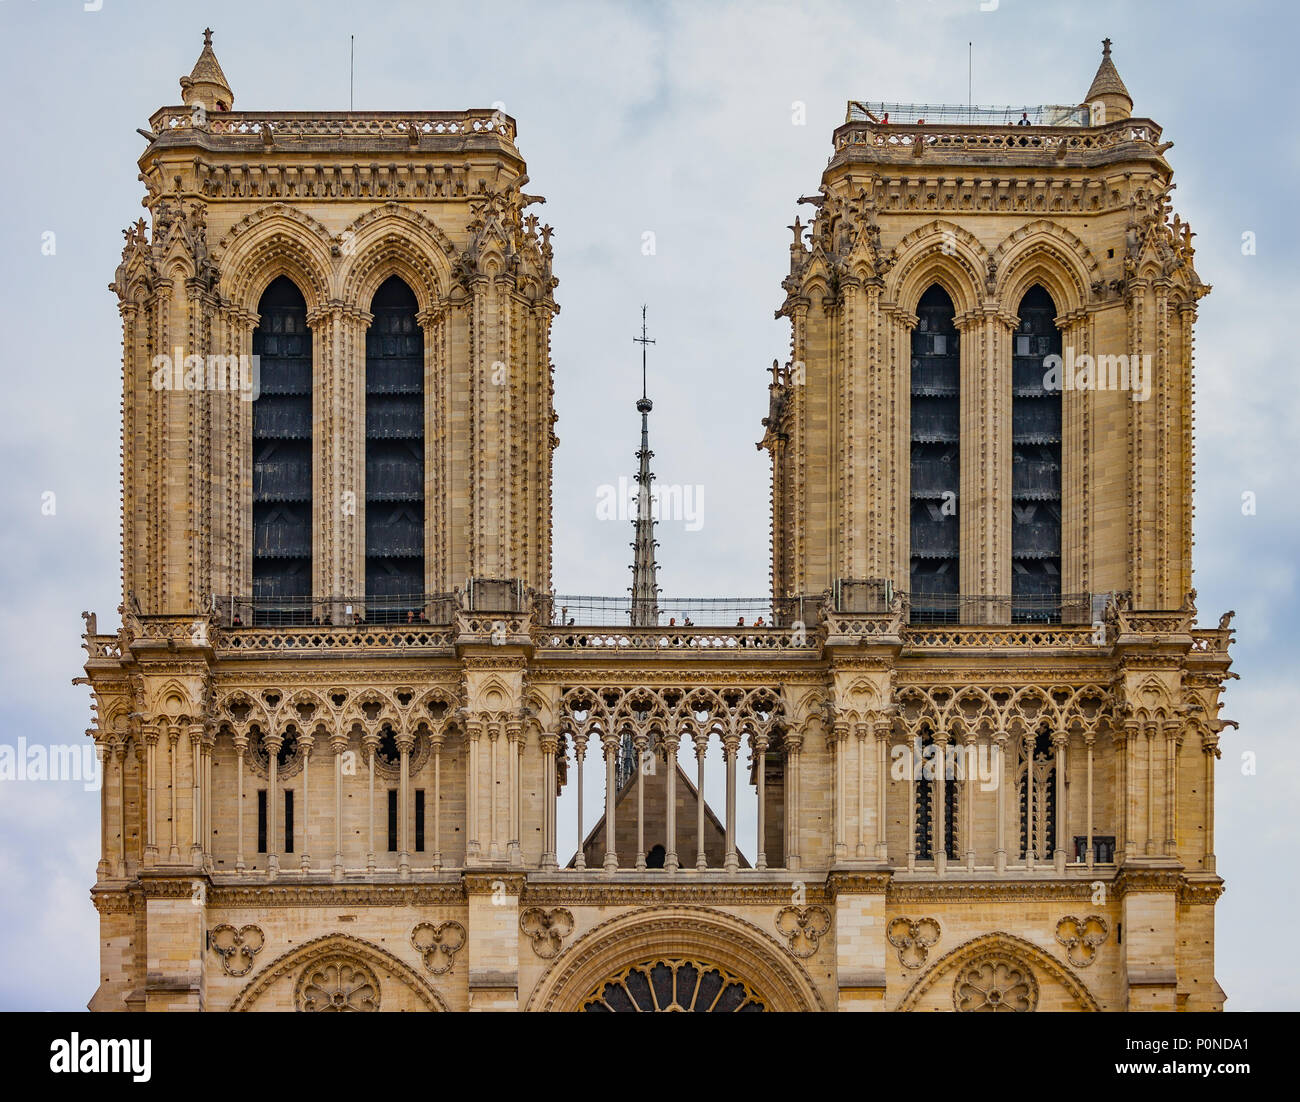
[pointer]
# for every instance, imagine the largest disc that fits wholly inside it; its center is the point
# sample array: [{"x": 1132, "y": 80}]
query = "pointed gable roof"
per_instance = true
[{"x": 1107, "y": 82}]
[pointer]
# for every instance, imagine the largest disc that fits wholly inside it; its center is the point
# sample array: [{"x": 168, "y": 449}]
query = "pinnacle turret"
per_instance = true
[
  {"x": 206, "y": 86},
  {"x": 1108, "y": 88}
]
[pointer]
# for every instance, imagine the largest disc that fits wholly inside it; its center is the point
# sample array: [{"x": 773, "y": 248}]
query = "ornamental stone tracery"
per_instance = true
[
  {"x": 337, "y": 985},
  {"x": 995, "y": 984},
  {"x": 417, "y": 769},
  {"x": 673, "y": 986}
]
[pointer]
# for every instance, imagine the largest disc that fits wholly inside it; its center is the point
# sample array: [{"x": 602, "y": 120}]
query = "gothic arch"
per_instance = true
[
  {"x": 701, "y": 933},
  {"x": 276, "y": 241},
  {"x": 173, "y": 700},
  {"x": 939, "y": 252},
  {"x": 1044, "y": 252},
  {"x": 1007, "y": 945},
  {"x": 336, "y": 945},
  {"x": 390, "y": 241}
]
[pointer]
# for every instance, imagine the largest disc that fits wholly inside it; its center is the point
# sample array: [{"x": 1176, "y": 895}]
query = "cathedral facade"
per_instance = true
[{"x": 976, "y": 720}]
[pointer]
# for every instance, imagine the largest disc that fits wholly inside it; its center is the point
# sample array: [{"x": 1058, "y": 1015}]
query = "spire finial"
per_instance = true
[
  {"x": 643, "y": 340},
  {"x": 1105, "y": 47},
  {"x": 645, "y": 588},
  {"x": 207, "y": 36}
]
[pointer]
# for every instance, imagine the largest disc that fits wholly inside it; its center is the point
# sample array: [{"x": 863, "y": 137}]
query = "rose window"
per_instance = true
[
  {"x": 995, "y": 984},
  {"x": 337, "y": 986}
]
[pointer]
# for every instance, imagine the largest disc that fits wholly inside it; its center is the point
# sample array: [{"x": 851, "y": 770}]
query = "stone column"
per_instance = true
[
  {"x": 730, "y": 747},
  {"x": 550, "y": 742},
  {"x": 793, "y": 742},
  {"x": 473, "y": 732},
  {"x": 435, "y": 741},
  {"x": 1150, "y": 845},
  {"x": 984, "y": 499},
  {"x": 514, "y": 743},
  {"x": 273, "y": 742},
  {"x": 1059, "y": 742},
  {"x": 1210, "y": 748},
  {"x": 306, "y": 742},
  {"x": 209, "y": 743},
  {"x": 339, "y": 744},
  {"x": 580, "y": 756},
  {"x": 640, "y": 741},
  {"x": 1029, "y": 742},
  {"x": 672, "y": 740},
  {"x": 609, "y": 740},
  {"x": 151, "y": 733},
  {"x": 939, "y": 798},
  {"x": 837, "y": 743},
  {"x": 494, "y": 830},
  {"x": 881, "y": 729},
  {"x": 1173, "y": 745},
  {"x": 241, "y": 747},
  {"x": 103, "y": 751},
  {"x": 860, "y": 850},
  {"x": 194, "y": 734},
  {"x": 1088, "y": 740},
  {"x": 758, "y": 744},
  {"x": 370, "y": 743},
  {"x": 911, "y": 803},
  {"x": 701, "y": 740},
  {"x": 119, "y": 755},
  {"x": 405, "y": 740},
  {"x": 173, "y": 741},
  {"x": 971, "y": 746},
  {"x": 1000, "y": 793}
]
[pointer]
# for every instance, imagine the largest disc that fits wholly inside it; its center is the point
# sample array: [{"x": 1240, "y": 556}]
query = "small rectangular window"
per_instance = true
[
  {"x": 288, "y": 820},
  {"x": 1103, "y": 848},
  {"x": 419, "y": 820},
  {"x": 392, "y": 820},
  {"x": 261, "y": 820},
  {"x": 939, "y": 344}
]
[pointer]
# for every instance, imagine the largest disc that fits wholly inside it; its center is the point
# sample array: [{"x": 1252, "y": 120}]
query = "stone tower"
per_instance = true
[{"x": 962, "y": 757}]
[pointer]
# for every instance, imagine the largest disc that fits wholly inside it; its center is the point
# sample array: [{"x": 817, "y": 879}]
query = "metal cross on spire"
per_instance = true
[{"x": 643, "y": 340}]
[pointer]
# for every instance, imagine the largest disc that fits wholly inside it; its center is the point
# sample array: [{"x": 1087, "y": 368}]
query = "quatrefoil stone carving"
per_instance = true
[
  {"x": 237, "y": 947},
  {"x": 438, "y": 944},
  {"x": 913, "y": 939},
  {"x": 803, "y": 928},
  {"x": 1081, "y": 937},
  {"x": 547, "y": 929}
]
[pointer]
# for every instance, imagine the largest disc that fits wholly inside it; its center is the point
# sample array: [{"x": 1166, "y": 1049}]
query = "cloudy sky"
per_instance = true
[{"x": 674, "y": 119}]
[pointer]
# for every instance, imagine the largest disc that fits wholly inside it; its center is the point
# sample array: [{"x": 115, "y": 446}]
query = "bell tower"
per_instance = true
[{"x": 988, "y": 399}]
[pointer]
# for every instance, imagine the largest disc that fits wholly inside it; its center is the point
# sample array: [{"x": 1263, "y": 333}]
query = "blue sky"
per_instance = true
[{"x": 672, "y": 118}]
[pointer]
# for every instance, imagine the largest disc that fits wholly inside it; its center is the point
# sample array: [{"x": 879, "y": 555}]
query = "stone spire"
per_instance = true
[
  {"x": 645, "y": 590},
  {"x": 1109, "y": 89},
  {"x": 206, "y": 86}
]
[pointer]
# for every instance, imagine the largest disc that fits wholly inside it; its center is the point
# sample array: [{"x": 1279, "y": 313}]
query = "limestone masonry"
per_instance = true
[{"x": 345, "y": 713}]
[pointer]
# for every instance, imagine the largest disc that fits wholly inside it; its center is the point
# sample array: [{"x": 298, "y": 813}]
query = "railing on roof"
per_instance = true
[
  {"x": 683, "y": 611},
  {"x": 411, "y": 125},
  {"x": 401, "y": 608},
  {"x": 948, "y": 114},
  {"x": 1021, "y": 608}
]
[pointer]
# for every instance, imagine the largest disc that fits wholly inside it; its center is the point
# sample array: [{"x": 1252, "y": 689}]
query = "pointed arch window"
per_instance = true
[
  {"x": 935, "y": 462},
  {"x": 1036, "y": 768},
  {"x": 282, "y": 457},
  {"x": 1036, "y": 465},
  {"x": 933, "y": 759},
  {"x": 394, "y": 456}
]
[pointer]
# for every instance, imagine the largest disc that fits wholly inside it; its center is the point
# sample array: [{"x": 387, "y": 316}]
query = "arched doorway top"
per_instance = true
[{"x": 698, "y": 934}]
